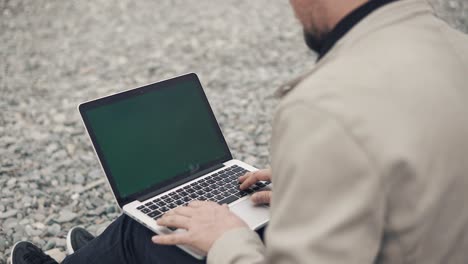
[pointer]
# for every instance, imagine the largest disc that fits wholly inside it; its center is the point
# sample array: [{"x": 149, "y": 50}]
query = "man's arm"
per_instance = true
[{"x": 328, "y": 202}]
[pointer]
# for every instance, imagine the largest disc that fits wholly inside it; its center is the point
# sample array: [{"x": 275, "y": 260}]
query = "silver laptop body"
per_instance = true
[{"x": 160, "y": 147}]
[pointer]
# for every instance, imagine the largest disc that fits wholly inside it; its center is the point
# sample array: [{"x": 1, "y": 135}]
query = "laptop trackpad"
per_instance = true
[{"x": 255, "y": 216}]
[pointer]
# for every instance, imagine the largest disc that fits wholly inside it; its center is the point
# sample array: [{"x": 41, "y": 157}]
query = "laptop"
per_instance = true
[{"x": 160, "y": 147}]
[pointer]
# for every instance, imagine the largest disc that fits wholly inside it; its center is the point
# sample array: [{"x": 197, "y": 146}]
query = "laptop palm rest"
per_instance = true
[{"x": 256, "y": 216}]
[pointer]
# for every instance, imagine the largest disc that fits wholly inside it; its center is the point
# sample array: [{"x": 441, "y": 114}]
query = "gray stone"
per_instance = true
[
  {"x": 53, "y": 230},
  {"x": 11, "y": 182},
  {"x": 39, "y": 217},
  {"x": 66, "y": 216},
  {"x": 38, "y": 241},
  {"x": 49, "y": 245},
  {"x": 30, "y": 231},
  {"x": 79, "y": 178},
  {"x": 24, "y": 221},
  {"x": 10, "y": 223},
  {"x": 3, "y": 243},
  {"x": 9, "y": 213},
  {"x": 111, "y": 209},
  {"x": 60, "y": 242}
]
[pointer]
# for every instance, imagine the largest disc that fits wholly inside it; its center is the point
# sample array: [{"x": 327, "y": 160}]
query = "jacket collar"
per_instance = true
[
  {"x": 388, "y": 14},
  {"x": 347, "y": 23}
]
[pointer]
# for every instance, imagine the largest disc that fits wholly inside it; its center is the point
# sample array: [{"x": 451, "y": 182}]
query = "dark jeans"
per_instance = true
[{"x": 127, "y": 241}]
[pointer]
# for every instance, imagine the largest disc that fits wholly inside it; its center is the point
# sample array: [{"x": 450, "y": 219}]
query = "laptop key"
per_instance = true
[
  {"x": 154, "y": 213},
  {"x": 238, "y": 169},
  {"x": 194, "y": 195},
  {"x": 179, "y": 202},
  {"x": 219, "y": 197},
  {"x": 186, "y": 199},
  {"x": 158, "y": 216},
  {"x": 164, "y": 209},
  {"x": 140, "y": 207},
  {"x": 242, "y": 193},
  {"x": 153, "y": 207},
  {"x": 161, "y": 203},
  {"x": 148, "y": 204},
  {"x": 228, "y": 199},
  {"x": 249, "y": 191},
  {"x": 200, "y": 192},
  {"x": 145, "y": 210},
  {"x": 217, "y": 178}
]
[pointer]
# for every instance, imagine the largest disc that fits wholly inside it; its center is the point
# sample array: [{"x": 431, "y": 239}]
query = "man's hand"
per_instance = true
[
  {"x": 204, "y": 221},
  {"x": 250, "y": 178}
]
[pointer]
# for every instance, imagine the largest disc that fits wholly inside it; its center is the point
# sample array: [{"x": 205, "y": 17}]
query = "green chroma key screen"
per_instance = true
[{"x": 149, "y": 138}]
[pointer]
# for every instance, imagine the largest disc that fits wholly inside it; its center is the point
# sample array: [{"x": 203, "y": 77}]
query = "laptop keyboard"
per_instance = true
[{"x": 221, "y": 187}]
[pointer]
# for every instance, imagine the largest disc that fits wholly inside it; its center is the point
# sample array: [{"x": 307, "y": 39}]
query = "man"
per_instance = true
[{"x": 369, "y": 153}]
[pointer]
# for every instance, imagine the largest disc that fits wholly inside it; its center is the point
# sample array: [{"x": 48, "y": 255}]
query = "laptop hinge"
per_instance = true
[{"x": 177, "y": 183}]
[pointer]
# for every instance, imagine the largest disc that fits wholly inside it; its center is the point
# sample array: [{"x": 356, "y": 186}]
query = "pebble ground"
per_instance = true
[{"x": 55, "y": 54}]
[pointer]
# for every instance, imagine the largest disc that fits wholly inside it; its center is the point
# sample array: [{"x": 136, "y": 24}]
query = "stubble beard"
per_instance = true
[{"x": 314, "y": 40}]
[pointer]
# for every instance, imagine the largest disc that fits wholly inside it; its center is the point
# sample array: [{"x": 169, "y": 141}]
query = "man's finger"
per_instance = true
[
  {"x": 263, "y": 197},
  {"x": 261, "y": 175},
  {"x": 243, "y": 177},
  {"x": 181, "y": 210},
  {"x": 174, "y": 220},
  {"x": 172, "y": 239},
  {"x": 196, "y": 203}
]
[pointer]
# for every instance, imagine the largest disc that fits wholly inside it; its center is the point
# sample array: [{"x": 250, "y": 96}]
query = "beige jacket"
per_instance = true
[{"x": 370, "y": 151}]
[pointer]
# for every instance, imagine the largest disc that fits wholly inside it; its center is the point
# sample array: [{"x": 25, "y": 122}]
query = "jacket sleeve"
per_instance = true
[{"x": 328, "y": 202}]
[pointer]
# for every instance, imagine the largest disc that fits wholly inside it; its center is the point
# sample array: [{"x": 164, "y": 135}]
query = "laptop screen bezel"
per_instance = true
[{"x": 177, "y": 179}]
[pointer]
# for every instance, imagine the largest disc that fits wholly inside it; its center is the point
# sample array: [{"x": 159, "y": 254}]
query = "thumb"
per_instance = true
[{"x": 263, "y": 197}]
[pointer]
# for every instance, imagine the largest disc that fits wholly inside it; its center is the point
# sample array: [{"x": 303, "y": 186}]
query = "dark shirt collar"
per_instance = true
[{"x": 347, "y": 23}]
